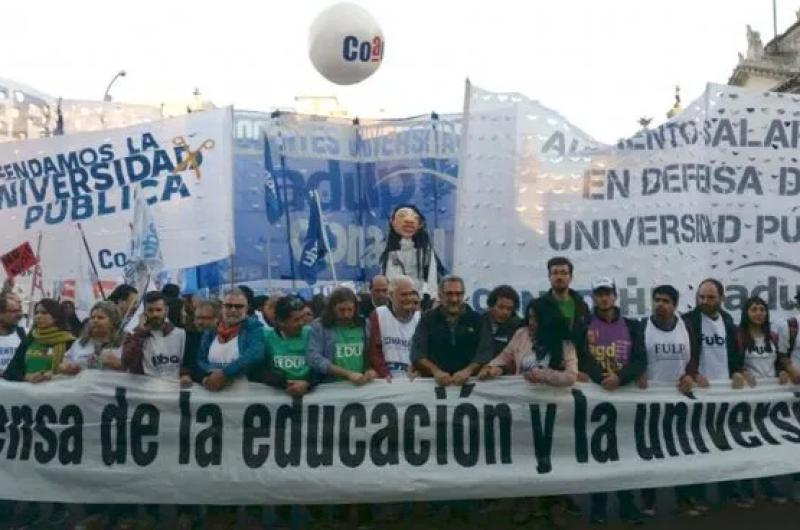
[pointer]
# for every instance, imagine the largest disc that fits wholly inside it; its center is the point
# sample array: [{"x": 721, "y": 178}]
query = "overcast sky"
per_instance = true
[{"x": 601, "y": 63}]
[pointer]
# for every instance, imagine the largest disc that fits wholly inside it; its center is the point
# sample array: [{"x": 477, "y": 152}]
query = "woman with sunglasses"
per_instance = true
[
  {"x": 100, "y": 343},
  {"x": 337, "y": 345}
]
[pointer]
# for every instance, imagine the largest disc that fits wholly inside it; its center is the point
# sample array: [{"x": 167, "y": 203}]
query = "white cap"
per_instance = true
[{"x": 603, "y": 282}]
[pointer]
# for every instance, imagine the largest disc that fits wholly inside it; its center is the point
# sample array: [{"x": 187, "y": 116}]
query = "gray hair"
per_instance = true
[
  {"x": 398, "y": 281},
  {"x": 236, "y": 292},
  {"x": 451, "y": 278},
  {"x": 213, "y": 304}
]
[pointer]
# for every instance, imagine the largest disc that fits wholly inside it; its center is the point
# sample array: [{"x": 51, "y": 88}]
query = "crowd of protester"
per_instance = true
[{"x": 298, "y": 346}]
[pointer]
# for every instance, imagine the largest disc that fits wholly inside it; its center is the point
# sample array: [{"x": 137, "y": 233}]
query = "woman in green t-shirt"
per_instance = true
[
  {"x": 40, "y": 355},
  {"x": 337, "y": 345}
]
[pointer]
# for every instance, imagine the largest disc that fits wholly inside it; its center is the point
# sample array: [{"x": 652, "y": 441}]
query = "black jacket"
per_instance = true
[
  {"x": 450, "y": 351},
  {"x": 491, "y": 343},
  {"x": 553, "y": 327},
  {"x": 16, "y": 368},
  {"x": 637, "y": 362},
  {"x": 694, "y": 325}
]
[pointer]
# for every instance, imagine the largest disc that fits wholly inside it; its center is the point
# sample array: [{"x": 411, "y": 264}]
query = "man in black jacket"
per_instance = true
[
  {"x": 715, "y": 355},
  {"x": 446, "y": 340},
  {"x": 612, "y": 354},
  {"x": 712, "y": 337},
  {"x": 563, "y": 311},
  {"x": 499, "y": 323}
]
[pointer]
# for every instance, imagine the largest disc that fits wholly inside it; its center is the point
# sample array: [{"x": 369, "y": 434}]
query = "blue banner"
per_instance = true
[{"x": 361, "y": 172}]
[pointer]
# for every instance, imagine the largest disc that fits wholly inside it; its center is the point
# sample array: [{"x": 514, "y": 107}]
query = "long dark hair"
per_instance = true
[
  {"x": 748, "y": 342},
  {"x": 544, "y": 343},
  {"x": 53, "y": 308},
  {"x": 422, "y": 243},
  {"x": 339, "y": 295}
]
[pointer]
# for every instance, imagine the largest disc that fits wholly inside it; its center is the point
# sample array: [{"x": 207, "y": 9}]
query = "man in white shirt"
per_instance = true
[
  {"x": 11, "y": 334},
  {"x": 715, "y": 355},
  {"x": 668, "y": 348},
  {"x": 156, "y": 346},
  {"x": 391, "y": 330}
]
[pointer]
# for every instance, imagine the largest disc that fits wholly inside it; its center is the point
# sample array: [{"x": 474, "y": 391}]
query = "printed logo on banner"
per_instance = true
[{"x": 49, "y": 184}]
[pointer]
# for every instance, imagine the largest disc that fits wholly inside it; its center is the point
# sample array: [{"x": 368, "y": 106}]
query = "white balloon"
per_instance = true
[{"x": 345, "y": 44}]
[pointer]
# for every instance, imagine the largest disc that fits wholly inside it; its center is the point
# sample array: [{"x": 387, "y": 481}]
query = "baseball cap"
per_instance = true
[{"x": 603, "y": 282}]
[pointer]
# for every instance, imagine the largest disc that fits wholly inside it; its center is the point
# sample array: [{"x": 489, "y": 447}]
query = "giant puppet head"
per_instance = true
[{"x": 409, "y": 249}]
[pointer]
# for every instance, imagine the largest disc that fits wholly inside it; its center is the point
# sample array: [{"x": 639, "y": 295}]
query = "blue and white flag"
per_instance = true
[
  {"x": 272, "y": 199},
  {"x": 317, "y": 242},
  {"x": 144, "y": 259}
]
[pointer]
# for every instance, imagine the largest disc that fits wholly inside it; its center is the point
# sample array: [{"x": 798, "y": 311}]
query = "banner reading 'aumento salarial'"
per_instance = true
[
  {"x": 104, "y": 437},
  {"x": 713, "y": 192}
]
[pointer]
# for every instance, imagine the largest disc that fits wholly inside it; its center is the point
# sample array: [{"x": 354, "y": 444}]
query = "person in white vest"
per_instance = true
[
  {"x": 668, "y": 350},
  {"x": 235, "y": 348},
  {"x": 156, "y": 346},
  {"x": 391, "y": 330},
  {"x": 11, "y": 334}
]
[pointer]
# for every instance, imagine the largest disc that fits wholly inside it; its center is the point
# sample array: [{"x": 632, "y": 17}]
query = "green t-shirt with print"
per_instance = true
[
  {"x": 350, "y": 349},
  {"x": 287, "y": 355},
  {"x": 39, "y": 358}
]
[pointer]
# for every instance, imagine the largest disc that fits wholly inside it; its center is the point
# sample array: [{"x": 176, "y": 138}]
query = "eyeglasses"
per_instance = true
[{"x": 234, "y": 306}]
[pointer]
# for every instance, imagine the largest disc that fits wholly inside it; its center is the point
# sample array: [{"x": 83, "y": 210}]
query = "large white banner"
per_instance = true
[
  {"x": 712, "y": 192},
  {"x": 182, "y": 165},
  {"x": 108, "y": 437}
]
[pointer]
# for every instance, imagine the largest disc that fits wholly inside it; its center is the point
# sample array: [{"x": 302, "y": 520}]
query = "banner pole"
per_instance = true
[
  {"x": 37, "y": 271},
  {"x": 325, "y": 239},
  {"x": 362, "y": 202},
  {"x": 269, "y": 262},
  {"x": 276, "y": 116},
  {"x": 91, "y": 262}
]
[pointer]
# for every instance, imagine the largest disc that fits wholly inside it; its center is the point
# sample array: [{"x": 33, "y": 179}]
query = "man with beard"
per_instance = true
[
  {"x": 445, "y": 342},
  {"x": 156, "y": 346},
  {"x": 234, "y": 348},
  {"x": 715, "y": 356}
]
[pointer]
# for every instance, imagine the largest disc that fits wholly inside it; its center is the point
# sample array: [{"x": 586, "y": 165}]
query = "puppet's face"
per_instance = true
[{"x": 406, "y": 222}]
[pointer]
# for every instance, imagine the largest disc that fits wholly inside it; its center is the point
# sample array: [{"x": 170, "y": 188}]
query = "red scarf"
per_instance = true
[{"x": 225, "y": 333}]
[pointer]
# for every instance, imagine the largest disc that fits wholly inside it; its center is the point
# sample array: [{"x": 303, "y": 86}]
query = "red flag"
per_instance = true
[{"x": 19, "y": 260}]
